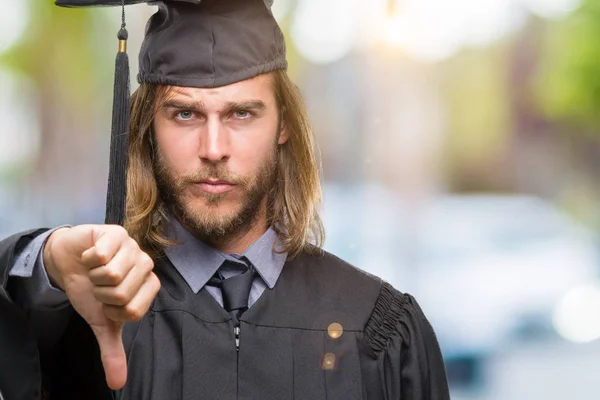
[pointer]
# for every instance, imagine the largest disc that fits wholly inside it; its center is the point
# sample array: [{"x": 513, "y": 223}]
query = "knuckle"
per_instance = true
[
  {"x": 155, "y": 283},
  {"x": 99, "y": 294},
  {"x": 120, "y": 296},
  {"x": 118, "y": 232},
  {"x": 133, "y": 243},
  {"x": 146, "y": 262},
  {"x": 102, "y": 256},
  {"x": 114, "y": 275},
  {"x": 133, "y": 313}
]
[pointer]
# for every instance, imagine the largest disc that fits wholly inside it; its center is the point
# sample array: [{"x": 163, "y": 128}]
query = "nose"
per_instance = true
[{"x": 214, "y": 142}]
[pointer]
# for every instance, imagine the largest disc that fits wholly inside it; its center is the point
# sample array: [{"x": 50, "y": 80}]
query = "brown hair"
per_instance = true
[{"x": 293, "y": 200}]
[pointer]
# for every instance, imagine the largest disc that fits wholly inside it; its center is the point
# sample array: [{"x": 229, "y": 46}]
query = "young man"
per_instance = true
[{"x": 217, "y": 287}]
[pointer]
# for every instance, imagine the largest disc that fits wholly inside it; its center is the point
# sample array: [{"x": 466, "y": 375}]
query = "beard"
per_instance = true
[{"x": 208, "y": 216}]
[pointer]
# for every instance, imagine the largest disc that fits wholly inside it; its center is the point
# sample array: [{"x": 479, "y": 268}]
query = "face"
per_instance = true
[{"x": 216, "y": 155}]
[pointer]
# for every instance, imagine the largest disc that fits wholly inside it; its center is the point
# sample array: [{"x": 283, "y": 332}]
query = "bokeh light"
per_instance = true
[
  {"x": 321, "y": 33},
  {"x": 577, "y": 316},
  {"x": 552, "y": 8},
  {"x": 19, "y": 131},
  {"x": 13, "y": 22}
]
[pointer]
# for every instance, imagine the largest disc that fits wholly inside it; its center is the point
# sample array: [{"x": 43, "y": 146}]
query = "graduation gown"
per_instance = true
[
  {"x": 20, "y": 376},
  {"x": 184, "y": 348}
]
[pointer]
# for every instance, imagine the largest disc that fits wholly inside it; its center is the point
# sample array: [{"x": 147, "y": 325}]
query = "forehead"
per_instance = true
[{"x": 256, "y": 88}]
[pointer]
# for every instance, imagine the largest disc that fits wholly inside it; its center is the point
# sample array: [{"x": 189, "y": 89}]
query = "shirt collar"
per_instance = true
[{"x": 197, "y": 262}]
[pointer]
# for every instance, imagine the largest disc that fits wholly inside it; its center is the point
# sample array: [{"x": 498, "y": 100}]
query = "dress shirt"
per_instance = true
[
  {"x": 35, "y": 291},
  {"x": 197, "y": 262}
]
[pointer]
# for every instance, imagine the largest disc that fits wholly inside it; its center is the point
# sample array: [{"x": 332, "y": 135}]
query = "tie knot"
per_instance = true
[
  {"x": 231, "y": 267},
  {"x": 236, "y": 289}
]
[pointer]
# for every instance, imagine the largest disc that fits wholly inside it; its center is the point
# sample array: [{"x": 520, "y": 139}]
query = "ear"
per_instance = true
[{"x": 283, "y": 133}]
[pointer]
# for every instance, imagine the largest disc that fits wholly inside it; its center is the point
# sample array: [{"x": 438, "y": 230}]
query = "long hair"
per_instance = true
[{"x": 293, "y": 201}]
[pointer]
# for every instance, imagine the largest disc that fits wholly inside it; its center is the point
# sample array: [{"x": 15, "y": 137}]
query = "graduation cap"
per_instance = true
[{"x": 192, "y": 43}]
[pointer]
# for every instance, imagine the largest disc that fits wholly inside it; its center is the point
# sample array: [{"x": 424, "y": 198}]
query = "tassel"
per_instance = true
[{"x": 119, "y": 141}]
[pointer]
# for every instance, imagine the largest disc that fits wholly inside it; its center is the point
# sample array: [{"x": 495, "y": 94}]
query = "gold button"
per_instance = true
[
  {"x": 328, "y": 362},
  {"x": 335, "y": 330}
]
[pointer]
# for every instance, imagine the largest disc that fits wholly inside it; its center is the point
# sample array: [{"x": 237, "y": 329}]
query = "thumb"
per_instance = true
[{"x": 112, "y": 353}]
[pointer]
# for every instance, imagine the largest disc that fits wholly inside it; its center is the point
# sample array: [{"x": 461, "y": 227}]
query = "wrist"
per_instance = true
[{"x": 49, "y": 258}]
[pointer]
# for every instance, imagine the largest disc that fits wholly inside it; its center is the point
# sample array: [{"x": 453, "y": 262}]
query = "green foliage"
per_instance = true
[
  {"x": 58, "y": 50},
  {"x": 474, "y": 87},
  {"x": 64, "y": 64},
  {"x": 568, "y": 84}
]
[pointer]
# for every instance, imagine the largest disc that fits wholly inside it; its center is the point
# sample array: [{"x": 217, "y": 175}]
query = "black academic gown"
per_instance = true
[
  {"x": 20, "y": 375},
  {"x": 184, "y": 348},
  {"x": 33, "y": 366}
]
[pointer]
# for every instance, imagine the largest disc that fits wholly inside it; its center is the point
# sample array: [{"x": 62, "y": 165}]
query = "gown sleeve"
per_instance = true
[
  {"x": 9, "y": 249},
  {"x": 410, "y": 363},
  {"x": 45, "y": 308},
  {"x": 68, "y": 369},
  {"x": 20, "y": 377}
]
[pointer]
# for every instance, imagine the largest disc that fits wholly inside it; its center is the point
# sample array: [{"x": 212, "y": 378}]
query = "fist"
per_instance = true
[{"x": 108, "y": 280}]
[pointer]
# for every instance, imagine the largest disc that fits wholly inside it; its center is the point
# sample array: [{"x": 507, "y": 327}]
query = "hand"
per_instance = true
[{"x": 108, "y": 280}]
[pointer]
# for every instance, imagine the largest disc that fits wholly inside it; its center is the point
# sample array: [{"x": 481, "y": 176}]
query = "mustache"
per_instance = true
[{"x": 218, "y": 172}]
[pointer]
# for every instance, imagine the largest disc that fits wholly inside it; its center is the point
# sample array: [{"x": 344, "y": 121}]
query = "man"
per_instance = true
[{"x": 217, "y": 287}]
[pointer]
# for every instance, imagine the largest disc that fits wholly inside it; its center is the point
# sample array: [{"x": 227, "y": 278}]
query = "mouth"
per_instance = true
[{"x": 214, "y": 186}]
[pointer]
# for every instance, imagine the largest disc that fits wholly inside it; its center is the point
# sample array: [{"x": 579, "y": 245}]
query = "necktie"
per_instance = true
[{"x": 235, "y": 291}]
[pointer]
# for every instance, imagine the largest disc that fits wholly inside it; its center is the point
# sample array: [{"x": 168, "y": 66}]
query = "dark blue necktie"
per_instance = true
[{"x": 235, "y": 291}]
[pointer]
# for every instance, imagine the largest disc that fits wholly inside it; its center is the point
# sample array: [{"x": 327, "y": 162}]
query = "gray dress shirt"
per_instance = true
[
  {"x": 197, "y": 262},
  {"x": 35, "y": 291}
]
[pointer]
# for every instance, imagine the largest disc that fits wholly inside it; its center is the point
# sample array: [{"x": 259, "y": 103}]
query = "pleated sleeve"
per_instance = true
[{"x": 410, "y": 363}]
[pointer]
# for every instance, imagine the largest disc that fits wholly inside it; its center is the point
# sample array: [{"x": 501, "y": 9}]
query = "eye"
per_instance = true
[
  {"x": 184, "y": 115},
  {"x": 242, "y": 114}
]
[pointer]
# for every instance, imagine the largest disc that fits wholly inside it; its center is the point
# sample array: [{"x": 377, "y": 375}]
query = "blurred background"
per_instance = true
[{"x": 460, "y": 143}]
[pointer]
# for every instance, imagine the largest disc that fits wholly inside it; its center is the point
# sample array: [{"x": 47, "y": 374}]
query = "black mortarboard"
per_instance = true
[{"x": 196, "y": 43}]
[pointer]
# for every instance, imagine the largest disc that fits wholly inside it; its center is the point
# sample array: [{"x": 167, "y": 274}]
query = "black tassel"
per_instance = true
[{"x": 119, "y": 141}]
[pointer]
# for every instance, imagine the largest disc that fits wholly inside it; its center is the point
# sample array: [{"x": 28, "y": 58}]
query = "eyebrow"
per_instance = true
[
  {"x": 182, "y": 105},
  {"x": 198, "y": 106},
  {"x": 256, "y": 105}
]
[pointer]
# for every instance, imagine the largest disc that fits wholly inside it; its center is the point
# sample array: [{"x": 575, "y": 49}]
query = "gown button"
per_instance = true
[
  {"x": 335, "y": 330},
  {"x": 328, "y": 362}
]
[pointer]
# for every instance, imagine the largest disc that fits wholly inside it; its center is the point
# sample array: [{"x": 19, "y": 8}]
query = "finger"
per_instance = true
[
  {"x": 102, "y": 251},
  {"x": 138, "y": 306},
  {"x": 116, "y": 269},
  {"x": 112, "y": 353},
  {"x": 124, "y": 292}
]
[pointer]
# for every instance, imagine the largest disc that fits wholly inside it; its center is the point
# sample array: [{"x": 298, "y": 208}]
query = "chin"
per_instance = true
[
  {"x": 212, "y": 213},
  {"x": 212, "y": 200},
  {"x": 222, "y": 205}
]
